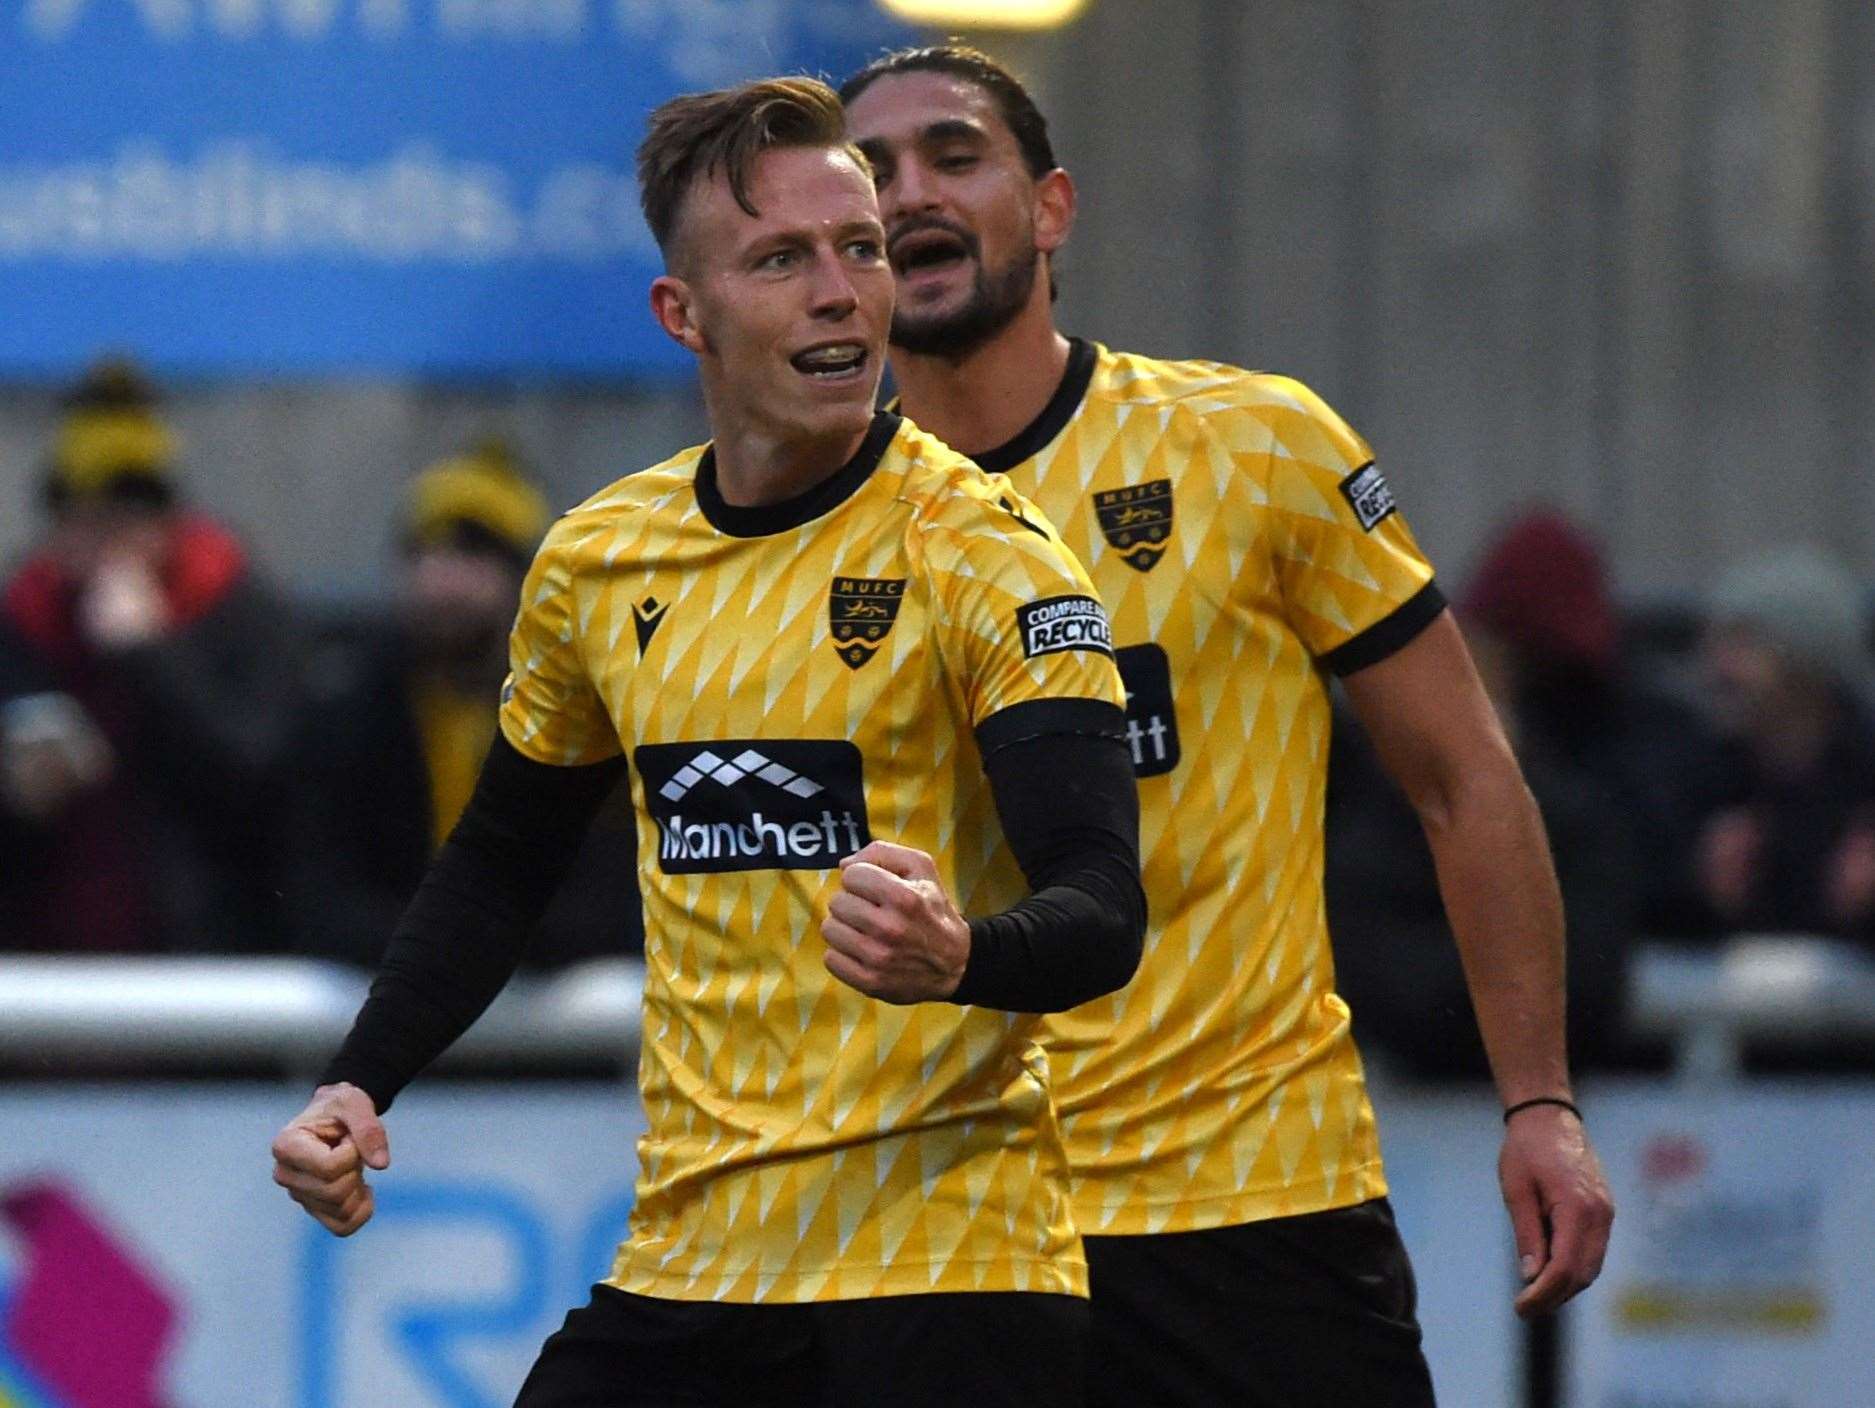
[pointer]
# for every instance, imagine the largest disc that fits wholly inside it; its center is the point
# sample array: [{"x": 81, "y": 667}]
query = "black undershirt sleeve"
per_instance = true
[
  {"x": 1062, "y": 775},
  {"x": 462, "y": 936}
]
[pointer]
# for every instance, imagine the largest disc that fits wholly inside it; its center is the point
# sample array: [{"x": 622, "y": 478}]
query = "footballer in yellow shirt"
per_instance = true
[
  {"x": 1227, "y": 1172},
  {"x": 860, "y": 689},
  {"x": 794, "y": 683}
]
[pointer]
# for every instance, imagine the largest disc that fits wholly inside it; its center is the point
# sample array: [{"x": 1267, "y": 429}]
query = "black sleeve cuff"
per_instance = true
[{"x": 1388, "y": 636}]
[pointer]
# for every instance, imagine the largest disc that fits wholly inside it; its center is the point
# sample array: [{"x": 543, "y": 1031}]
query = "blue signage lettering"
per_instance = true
[{"x": 391, "y": 186}]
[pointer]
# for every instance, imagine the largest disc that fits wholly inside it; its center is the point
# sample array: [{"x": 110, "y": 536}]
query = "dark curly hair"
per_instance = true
[{"x": 1012, "y": 100}]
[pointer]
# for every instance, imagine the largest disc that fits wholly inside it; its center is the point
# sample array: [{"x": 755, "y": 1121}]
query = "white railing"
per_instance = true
[
  {"x": 1790, "y": 991},
  {"x": 1708, "y": 1004},
  {"x": 290, "y": 1012}
]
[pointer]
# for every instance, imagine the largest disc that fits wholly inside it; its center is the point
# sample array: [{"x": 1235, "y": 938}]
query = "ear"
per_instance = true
[
  {"x": 1055, "y": 205},
  {"x": 673, "y": 305}
]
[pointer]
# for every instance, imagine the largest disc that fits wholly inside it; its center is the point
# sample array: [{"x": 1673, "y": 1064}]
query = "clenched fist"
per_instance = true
[
  {"x": 891, "y": 930},
  {"x": 321, "y": 1156}
]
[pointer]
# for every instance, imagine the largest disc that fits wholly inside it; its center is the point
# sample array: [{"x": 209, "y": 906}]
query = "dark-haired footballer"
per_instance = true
[
  {"x": 862, "y": 691},
  {"x": 1227, "y": 1171}
]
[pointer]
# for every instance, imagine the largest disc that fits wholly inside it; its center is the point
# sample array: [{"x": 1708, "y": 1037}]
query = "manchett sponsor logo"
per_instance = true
[
  {"x": 1151, "y": 718},
  {"x": 769, "y": 805}
]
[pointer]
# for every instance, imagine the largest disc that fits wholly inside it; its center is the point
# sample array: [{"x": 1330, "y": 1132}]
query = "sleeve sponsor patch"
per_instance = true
[
  {"x": 1368, "y": 495},
  {"x": 1059, "y": 623}
]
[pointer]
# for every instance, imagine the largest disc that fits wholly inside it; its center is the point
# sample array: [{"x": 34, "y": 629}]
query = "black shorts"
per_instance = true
[
  {"x": 977, "y": 1350},
  {"x": 1316, "y": 1311}
]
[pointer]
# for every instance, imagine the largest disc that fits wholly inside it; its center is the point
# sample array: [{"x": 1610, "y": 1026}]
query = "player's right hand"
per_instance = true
[{"x": 321, "y": 1156}]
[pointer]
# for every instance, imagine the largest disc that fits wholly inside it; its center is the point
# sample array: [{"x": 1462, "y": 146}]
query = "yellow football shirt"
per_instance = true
[
  {"x": 1245, "y": 546},
  {"x": 790, "y": 683}
]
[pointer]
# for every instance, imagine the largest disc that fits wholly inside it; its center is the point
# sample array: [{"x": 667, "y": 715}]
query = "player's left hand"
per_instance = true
[
  {"x": 891, "y": 930},
  {"x": 1559, "y": 1203}
]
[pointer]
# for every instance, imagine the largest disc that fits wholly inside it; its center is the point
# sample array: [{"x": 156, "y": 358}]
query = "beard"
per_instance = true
[{"x": 995, "y": 298}]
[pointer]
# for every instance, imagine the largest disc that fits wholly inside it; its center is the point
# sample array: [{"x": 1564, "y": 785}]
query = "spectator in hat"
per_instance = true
[
  {"x": 1786, "y": 837},
  {"x": 1547, "y": 637},
  {"x": 141, "y": 770},
  {"x": 400, "y": 712}
]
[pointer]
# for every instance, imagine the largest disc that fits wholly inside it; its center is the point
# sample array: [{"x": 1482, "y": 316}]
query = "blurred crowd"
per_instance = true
[
  {"x": 192, "y": 761},
  {"x": 1704, "y": 772}
]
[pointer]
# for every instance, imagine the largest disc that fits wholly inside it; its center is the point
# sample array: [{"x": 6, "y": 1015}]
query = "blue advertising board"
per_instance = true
[{"x": 306, "y": 187}]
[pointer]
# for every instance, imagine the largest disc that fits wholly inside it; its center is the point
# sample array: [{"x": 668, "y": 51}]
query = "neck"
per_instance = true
[
  {"x": 758, "y": 465},
  {"x": 986, "y": 397}
]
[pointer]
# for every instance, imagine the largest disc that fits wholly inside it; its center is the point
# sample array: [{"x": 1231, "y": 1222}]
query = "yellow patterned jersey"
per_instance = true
[
  {"x": 790, "y": 683},
  {"x": 1246, "y": 546}
]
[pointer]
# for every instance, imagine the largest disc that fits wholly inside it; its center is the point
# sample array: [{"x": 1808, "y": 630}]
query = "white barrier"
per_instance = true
[
  {"x": 500, "y": 1209},
  {"x": 1747, "y": 1211},
  {"x": 1708, "y": 1004},
  {"x": 1738, "y": 1273},
  {"x": 290, "y": 1011},
  {"x": 1784, "y": 989}
]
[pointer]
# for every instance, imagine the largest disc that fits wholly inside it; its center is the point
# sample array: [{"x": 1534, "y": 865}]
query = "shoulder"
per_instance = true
[
  {"x": 956, "y": 504},
  {"x": 1246, "y": 412},
  {"x": 623, "y": 505}
]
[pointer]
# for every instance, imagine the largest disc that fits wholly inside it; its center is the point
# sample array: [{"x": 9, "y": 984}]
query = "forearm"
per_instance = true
[
  {"x": 1505, "y": 911},
  {"x": 464, "y": 933},
  {"x": 1070, "y": 809},
  {"x": 451, "y": 954},
  {"x": 1061, "y": 946}
]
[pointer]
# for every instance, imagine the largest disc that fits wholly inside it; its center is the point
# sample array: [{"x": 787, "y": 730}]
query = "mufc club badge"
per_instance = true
[
  {"x": 1137, "y": 521},
  {"x": 860, "y": 611}
]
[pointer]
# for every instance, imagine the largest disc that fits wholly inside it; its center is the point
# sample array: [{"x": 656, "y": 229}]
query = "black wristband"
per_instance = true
[{"x": 1556, "y": 1100}]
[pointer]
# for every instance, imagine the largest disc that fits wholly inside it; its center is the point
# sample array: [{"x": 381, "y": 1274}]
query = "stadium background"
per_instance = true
[{"x": 1614, "y": 257}]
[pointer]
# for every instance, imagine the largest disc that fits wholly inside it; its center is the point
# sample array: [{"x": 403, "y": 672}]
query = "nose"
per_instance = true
[
  {"x": 830, "y": 292},
  {"x": 910, "y": 191}
]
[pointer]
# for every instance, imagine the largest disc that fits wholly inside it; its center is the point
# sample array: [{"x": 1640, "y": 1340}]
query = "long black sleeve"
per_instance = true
[
  {"x": 1062, "y": 776},
  {"x": 462, "y": 936}
]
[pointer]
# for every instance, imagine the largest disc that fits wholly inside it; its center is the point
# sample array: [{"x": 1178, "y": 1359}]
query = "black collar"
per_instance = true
[
  {"x": 765, "y": 519},
  {"x": 1055, "y": 416}
]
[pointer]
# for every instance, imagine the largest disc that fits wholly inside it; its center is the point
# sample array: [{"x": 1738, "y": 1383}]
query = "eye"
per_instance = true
[
  {"x": 778, "y": 259},
  {"x": 865, "y": 251},
  {"x": 957, "y": 161}
]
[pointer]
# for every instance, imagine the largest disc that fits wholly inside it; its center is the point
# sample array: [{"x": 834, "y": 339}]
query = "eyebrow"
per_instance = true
[
  {"x": 951, "y": 129},
  {"x": 802, "y": 235},
  {"x": 947, "y": 129}
]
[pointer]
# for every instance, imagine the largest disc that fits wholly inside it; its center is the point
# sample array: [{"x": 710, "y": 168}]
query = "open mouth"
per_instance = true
[
  {"x": 926, "y": 249},
  {"x": 831, "y": 361}
]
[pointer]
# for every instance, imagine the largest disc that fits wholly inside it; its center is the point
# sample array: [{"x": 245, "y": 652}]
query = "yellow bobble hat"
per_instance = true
[
  {"x": 111, "y": 435},
  {"x": 483, "y": 491}
]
